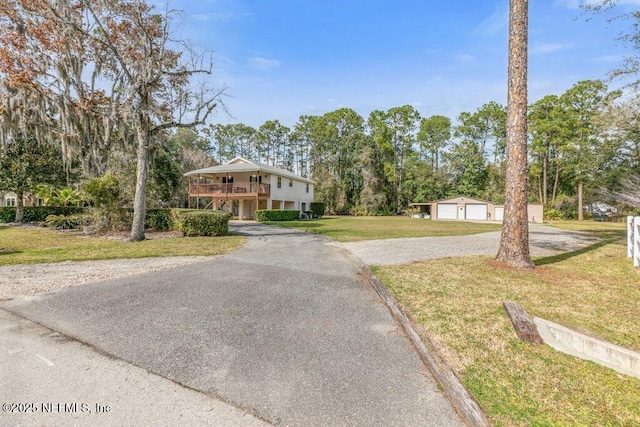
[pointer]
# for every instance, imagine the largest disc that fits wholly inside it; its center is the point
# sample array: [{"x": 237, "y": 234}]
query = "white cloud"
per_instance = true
[
  {"x": 263, "y": 64},
  {"x": 609, "y": 58},
  {"x": 494, "y": 24},
  {"x": 549, "y": 47},
  {"x": 465, "y": 57},
  {"x": 417, "y": 104},
  {"x": 217, "y": 16}
]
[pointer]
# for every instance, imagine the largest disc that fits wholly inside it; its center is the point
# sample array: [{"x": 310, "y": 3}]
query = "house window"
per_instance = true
[
  {"x": 11, "y": 201},
  {"x": 290, "y": 183},
  {"x": 307, "y": 187},
  {"x": 304, "y": 207},
  {"x": 279, "y": 182}
]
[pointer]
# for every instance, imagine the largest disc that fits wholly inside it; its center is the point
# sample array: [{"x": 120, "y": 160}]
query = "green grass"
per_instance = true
[
  {"x": 29, "y": 245},
  {"x": 595, "y": 290},
  {"x": 357, "y": 228}
]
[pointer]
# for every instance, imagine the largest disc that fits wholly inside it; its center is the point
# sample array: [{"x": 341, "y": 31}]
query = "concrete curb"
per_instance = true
[
  {"x": 574, "y": 343},
  {"x": 460, "y": 398}
]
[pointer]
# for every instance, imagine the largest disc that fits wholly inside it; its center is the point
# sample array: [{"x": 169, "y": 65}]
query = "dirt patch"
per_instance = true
[{"x": 31, "y": 279}]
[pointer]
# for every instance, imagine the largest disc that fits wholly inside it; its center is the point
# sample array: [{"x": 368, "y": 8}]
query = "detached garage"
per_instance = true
[
  {"x": 464, "y": 208},
  {"x": 470, "y": 209}
]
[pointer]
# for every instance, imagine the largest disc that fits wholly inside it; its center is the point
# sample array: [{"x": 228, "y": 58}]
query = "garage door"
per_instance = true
[
  {"x": 447, "y": 211},
  {"x": 499, "y": 214},
  {"x": 476, "y": 212}
]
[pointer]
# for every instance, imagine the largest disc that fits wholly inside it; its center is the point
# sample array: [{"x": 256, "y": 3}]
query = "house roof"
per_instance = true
[
  {"x": 465, "y": 198},
  {"x": 240, "y": 164}
]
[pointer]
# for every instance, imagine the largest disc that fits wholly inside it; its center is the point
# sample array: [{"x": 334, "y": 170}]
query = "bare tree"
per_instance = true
[
  {"x": 514, "y": 243},
  {"x": 159, "y": 89},
  {"x": 154, "y": 83},
  {"x": 628, "y": 194}
]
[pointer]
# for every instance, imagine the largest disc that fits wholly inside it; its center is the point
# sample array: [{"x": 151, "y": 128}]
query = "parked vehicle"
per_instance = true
[{"x": 601, "y": 211}]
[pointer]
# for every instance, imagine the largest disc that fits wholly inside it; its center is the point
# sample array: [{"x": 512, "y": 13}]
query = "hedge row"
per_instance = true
[
  {"x": 190, "y": 222},
  {"x": 276, "y": 215},
  {"x": 204, "y": 223},
  {"x": 37, "y": 213},
  {"x": 156, "y": 219},
  {"x": 317, "y": 208}
]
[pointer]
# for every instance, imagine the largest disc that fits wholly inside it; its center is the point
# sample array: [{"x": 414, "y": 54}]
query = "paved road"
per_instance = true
[
  {"x": 543, "y": 240},
  {"x": 284, "y": 329},
  {"x": 79, "y": 386}
]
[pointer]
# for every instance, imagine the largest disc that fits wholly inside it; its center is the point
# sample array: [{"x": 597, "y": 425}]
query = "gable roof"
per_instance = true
[
  {"x": 460, "y": 198},
  {"x": 240, "y": 164}
]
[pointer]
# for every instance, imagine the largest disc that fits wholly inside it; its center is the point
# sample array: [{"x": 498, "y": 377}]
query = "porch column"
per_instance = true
[
  {"x": 188, "y": 194},
  {"x": 198, "y": 193},
  {"x": 281, "y": 205},
  {"x": 241, "y": 209}
]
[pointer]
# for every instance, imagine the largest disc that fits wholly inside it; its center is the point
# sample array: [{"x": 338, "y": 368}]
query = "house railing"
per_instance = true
[{"x": 240, "y": 188}]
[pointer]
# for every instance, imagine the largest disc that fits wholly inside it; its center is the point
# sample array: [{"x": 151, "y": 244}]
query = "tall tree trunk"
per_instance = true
[
  {"x": 545, "y": 174},
  {"x": 19, "y": 205},
  {"x": 514, "y": 243},
  {"x": 540, "y": 188},
  {"x": 142, "y": 169},
  {"x": 580, "y": 212},
  {"x": 555, "y": 186}
]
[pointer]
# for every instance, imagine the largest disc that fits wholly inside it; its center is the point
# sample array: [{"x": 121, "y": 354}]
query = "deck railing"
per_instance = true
[{"x": 240, "y": 188}]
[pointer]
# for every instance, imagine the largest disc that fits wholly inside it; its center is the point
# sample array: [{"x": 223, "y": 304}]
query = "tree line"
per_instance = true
[
  {"x": 584, "y": 139},
  {"x": 109, "y": 86},
  {"x": 579, "y": 142}
]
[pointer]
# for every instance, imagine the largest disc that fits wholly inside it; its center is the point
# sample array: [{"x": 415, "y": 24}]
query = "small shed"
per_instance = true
[{"x": 470, "y": 209}]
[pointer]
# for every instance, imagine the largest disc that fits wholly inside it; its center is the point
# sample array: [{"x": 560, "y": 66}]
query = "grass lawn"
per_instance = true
[
  {"x": 356, "y": 228},
  {"x": 30, "y": 245},
  {"x": 595, "y": 290}
]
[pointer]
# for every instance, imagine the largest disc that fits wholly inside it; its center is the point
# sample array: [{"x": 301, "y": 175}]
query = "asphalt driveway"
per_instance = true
[
  {"x": 543, "y": 240},
  {"x": 285, "y": 329}
]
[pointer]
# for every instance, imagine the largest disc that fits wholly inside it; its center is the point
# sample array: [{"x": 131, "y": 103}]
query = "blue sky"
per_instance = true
[{"x": 284, "y": 58}]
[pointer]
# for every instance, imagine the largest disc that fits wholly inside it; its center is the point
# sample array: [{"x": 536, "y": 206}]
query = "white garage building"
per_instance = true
[{"x": 470, "y": 209}]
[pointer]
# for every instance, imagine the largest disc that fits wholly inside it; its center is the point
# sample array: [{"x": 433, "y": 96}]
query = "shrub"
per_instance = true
[
  {"x": 159, "y": 219},
  {"x": 122, "y": 219},
  {"x": 67, "y": 222},
  {"x": 276, "y": 215},
  {"x": 104, "y": 191},
  {"x": 318, "y": 208},
  {"x": 37, "y": 213},
  {"x": 7, "y": 214},
  {"x": 551, "y": 214},
  {"x": 205, "y": 223}
]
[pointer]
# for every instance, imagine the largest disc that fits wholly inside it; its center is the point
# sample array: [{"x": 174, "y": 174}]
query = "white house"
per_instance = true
[
  {"x": 10, "y": 198},
  {"x": 241, "y": 186}
]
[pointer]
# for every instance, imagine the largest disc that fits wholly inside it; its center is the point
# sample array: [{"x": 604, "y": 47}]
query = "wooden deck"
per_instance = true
[{"x": 241, "y": 190}]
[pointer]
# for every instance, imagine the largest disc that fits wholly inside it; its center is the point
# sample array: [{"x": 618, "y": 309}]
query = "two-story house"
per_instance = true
[
  {"x": 241, "y": 186},
  {"x": 9, "y": 198}
]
